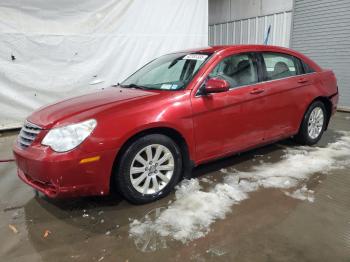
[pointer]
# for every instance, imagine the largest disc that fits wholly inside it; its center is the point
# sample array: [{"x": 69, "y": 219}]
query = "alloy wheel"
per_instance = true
[
  {"x": 152, "y": 169},
  {"x": 315, "y": 123}
]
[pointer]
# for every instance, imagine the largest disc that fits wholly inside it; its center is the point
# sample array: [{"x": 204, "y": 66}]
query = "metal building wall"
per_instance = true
[
  {"x": 221, "y": 11},
  {"x": 247, "y": 21},
  {"x": 253, "y": 30},
  {"x": 321, "y": 30}
]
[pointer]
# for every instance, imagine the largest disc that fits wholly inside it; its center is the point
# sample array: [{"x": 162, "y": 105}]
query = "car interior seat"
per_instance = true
[
  {"x": 281, "y": 70},
  {"x": 243, "y": 73},
  {"x": 227, "y": 73}
]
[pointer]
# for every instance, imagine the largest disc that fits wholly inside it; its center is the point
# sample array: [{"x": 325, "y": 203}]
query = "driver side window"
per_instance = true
[{"x": 238, "y": 70}]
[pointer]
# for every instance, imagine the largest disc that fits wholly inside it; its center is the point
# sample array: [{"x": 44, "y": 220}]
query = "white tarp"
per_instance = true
[{"x": 52, "y": 49}]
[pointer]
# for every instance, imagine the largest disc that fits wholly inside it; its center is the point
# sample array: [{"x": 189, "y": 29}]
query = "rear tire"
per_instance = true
[
  {"x": 313, "y": 124},
  {"x": 149, "y": 169}
]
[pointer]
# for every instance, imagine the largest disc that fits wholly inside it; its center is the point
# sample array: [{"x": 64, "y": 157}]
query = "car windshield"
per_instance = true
[{"x": 168, "y": 72}]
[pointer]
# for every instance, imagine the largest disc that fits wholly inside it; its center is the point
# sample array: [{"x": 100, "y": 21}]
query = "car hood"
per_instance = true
[{"x": 48, "y": 116}]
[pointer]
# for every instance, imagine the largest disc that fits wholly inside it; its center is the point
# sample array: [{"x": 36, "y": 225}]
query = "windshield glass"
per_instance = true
[{"x": 168, "y": 72}]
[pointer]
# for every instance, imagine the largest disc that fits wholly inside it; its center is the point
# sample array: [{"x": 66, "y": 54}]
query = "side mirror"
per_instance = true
[{"x": 216, "y": 85}]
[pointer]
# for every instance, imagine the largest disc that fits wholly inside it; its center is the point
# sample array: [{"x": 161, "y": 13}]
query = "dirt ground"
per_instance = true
[{"x": 267, "y": 226}]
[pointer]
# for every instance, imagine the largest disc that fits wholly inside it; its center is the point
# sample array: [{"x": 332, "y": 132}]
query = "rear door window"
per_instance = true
[{"x": 280, "y": 66}]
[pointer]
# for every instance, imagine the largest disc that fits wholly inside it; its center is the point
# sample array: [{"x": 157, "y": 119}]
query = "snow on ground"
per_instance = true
[
  {"x": 302, "y": 194},
  {"x": 189, "y": 217}
]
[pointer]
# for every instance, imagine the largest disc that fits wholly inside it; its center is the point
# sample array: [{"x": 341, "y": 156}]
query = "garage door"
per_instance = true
[{"x": 321, "y": 30}]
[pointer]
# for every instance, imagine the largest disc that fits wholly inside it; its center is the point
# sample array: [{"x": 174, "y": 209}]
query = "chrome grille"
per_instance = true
[{"x": 28, "y": 134}]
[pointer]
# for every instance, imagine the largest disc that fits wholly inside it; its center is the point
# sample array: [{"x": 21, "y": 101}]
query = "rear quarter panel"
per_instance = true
[
  {"x": 323, "y": 85},
  {"x": 329, "y": 85},
  {"x": 328, "y": 82}
]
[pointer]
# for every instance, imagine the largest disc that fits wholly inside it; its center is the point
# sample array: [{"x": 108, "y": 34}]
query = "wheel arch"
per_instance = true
[
  {"x": 327, "y": 103},
  {"x": 168, "y": 131}
]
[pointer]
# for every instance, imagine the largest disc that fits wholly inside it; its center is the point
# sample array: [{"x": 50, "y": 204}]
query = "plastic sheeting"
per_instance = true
[{"x": 50, "y": 49}]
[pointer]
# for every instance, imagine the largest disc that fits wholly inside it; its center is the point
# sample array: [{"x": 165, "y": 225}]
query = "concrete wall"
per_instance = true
[{"x": 221, "y": 11}]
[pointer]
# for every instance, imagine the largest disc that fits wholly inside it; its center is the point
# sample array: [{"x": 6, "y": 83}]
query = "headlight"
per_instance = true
[{"x": 66, "y": 138}]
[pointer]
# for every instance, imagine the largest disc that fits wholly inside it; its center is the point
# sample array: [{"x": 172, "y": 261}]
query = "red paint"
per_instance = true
[
  {"x": 213, "y": 126},
  {"x": 216, "y": 85}
]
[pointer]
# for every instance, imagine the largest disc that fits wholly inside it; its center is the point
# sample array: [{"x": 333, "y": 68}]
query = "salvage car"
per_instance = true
[{"x": 144, "y": 135}]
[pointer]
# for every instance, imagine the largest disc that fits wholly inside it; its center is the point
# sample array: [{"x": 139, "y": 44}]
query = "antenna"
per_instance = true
[{"x": 267, "y": 35}]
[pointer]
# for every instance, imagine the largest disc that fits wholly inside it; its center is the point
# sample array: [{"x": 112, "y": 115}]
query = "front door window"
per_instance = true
[{"x": 238, "y": 70}]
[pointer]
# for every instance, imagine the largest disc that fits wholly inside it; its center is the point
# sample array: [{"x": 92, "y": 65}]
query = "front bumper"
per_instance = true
[{"x": 62, "y": 174}]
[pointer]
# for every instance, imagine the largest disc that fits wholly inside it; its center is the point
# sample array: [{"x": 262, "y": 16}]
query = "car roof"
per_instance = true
[
  {"x": 217, "y": 48},
  {"x": 256, "y": 48},
  {"x": 246, "y": 48}
]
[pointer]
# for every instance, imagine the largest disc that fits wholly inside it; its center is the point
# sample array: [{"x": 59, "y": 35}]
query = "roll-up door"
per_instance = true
[{"x": 321, "y": 30}]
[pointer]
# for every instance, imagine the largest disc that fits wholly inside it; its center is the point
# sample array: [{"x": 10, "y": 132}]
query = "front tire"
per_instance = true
[
  {"x": 149, "y": 169},
  {"x": 313, "y": 125}
]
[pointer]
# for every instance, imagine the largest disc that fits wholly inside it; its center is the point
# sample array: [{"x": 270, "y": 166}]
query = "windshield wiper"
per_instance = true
[
  {"x": 133, "y": 86},
  {"x": 139, "y": 87}
]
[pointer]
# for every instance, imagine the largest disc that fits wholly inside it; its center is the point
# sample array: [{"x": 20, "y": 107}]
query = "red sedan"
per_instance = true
[{"x": 178, "y": 111}]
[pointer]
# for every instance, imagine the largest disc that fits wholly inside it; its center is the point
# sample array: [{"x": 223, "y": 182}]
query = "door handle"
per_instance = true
[
  {"x": 303, "y": 81},
  {"x": 257, "y": 91}
]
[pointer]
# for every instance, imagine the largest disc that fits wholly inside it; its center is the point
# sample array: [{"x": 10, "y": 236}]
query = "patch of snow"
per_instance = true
[
  {"x": 328, "y": 196},
  {"x": 302, "y": 194},
  {"x": 216, "y": 251},
  {"x": 224, "y": 170},
  {"x": 206, "y": 180},
  {"x": 194, "y": 210}
]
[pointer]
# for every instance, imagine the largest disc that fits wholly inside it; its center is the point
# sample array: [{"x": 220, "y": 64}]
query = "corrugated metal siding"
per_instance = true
[
  {"x": 253, "y": 30},
  {"x": 321, "y": 30}
]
